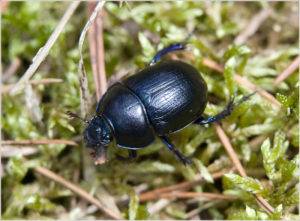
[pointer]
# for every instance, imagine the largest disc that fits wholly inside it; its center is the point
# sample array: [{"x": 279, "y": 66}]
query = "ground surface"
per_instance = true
[{"x": 257, "y": 41}]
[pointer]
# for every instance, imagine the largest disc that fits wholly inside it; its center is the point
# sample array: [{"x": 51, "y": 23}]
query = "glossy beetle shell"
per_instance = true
[
  {"x": 160, "y": 99},
  {"x": 126, "y": 116}
]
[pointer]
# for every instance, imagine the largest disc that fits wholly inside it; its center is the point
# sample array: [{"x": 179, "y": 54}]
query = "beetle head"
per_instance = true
[{"x": 98, "y": 136}]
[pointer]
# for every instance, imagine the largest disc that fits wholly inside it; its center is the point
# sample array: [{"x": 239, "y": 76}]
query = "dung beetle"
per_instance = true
[{"x": 161, "y": 99}]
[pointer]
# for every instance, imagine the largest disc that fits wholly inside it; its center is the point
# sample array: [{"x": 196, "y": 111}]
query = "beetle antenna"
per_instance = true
[
  {"x": 189, "y": 35},
  {"x": 71, "y": 114}
]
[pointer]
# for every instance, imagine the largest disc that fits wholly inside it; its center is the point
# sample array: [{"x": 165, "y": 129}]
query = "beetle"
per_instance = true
[{"x": 159, "y": 100}]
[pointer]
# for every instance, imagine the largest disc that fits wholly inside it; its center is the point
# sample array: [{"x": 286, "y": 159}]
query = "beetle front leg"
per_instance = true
[
  {"x": 227, "y": 111},
  {"x": 131, "y": 158},
  {"x": 170, "y": 48}
]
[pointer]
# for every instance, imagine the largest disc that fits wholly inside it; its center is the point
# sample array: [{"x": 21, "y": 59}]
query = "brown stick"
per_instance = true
[
  {"x": 252, "y": 27},
  {"x": 181, "y": 186},
  {"x": 95, "y": 35},
  {"x": 225, "y": 141},
  {"x": 288, "y": 71},
  {"x": 77, "y": 190},
  {"x": 209, "y": 63},
  {"x": 100, "y": 54},
  {"x": 85, "y": 97},
  {"x": 93, "y": 49},
  {"x": 37, "y": 142},
  {"x": 213, "y": 65},
  {"x": 190, "y": 195},
  {"x": 252, "y": 86},
  {"x": 257, "y": 140},
  {"x": 7, "y": 88}
]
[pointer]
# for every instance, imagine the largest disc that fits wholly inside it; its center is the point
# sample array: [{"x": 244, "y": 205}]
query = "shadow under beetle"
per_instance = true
[{"x": 159, "y": 100}]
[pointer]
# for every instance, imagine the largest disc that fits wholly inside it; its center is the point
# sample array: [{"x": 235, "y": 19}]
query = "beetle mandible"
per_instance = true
[{"x": 161, "y": 99}]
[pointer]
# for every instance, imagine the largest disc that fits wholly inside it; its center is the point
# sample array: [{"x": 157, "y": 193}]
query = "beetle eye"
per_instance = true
[{"x": 92, "y": 135}]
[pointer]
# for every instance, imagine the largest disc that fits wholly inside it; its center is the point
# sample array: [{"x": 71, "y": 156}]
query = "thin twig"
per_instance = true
[
  {"x": 43, "y": 52},
  {"x": 288, "y": 71},
  {"x": 85, "y": 97},
  {"x": 209, "y": 63},
  {"x": 100, "y": 54},
  {"x": 262, "y": 92},
  {"x": 12, "y": 68},
  {"x": 213, "y": 65},
  {"x": 77, "y": 190},
  {"x": 37, "y": 142},
  {"x": 93, "y": 48},
  {"x": 192, "y": 195},
  {"x": 158, "y": 206},
  {"x": 257, "y": 140},
  {"x": 10, "y": 151},
  {"x": 225, "y": 141},
  {"x": 7, "y": 88},
  {"x": 264, "y": 204},
  {"x": 181, "y": 186},
  {"x": 97, "y": 52},
  {"x": 205, "y": 206},
  {"x": 252, "y": 27}
]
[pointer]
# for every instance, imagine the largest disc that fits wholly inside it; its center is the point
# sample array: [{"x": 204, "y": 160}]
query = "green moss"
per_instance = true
[{"x": 132, "y": 34}]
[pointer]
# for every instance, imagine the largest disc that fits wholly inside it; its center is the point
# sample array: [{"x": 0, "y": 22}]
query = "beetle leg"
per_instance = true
[
  {"x": 132, "y": 156},
  {"x": 170, "y": 48},
  {"x": 181, "y": 157},
  {"x": 224, "y": 113}
]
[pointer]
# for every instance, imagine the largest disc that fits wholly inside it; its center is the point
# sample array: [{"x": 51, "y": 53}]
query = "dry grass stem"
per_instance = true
[
  {"x": 252, "y": 27},
  {"x": 37, "y": 142},
  {"x": 10, "y": 151},
  {"x": 262, "y": 92},
  {"x": 100, "y": 54},
  {"x": 225, "y": 141},
  {"x": 288, "y": 71},
  {"x": 264, "y": 204},
  {"x": 257, "y": 141},
  {"x": 43, "y": 52},
  {"x": 209, "y": 63},
  {"x": 85, "y": 97},
  {"x": 77, "y": 190},
  {"x": 203, "y": 207},
  {"x": 158, "y": 206},
  {"x": 96, "y": 46},
  {"x": 213, "y": 65},
  {"x": 195, "y": 194},
  {"x": 93, "y": 49},
  {"x": 179, "y": 187},
  {"x": 6, "y": 88},
  {"x": 11, "y": 70},
  {"x": 227, "y": 145}
]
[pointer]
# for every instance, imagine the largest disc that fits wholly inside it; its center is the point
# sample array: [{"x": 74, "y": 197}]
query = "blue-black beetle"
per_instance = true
[{"x": 158, "y": 100}]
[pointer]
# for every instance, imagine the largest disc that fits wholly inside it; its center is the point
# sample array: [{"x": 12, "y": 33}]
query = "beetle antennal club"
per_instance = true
[{"x": 71, "y": 114}]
